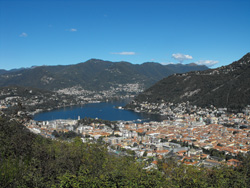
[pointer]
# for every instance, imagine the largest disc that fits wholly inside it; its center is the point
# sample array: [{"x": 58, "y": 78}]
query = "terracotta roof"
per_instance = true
[{"x": 155, "y": 162}]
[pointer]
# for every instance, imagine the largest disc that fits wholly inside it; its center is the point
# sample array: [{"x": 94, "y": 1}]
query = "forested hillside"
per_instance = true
[
  {"x": 226, "y": 86},
  {"x": 93, "y": 74}
]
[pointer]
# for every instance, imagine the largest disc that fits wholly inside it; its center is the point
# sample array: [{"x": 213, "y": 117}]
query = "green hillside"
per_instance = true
[
  {"x": 92, "y": 75},
  {"x": 226, "y": 86}
]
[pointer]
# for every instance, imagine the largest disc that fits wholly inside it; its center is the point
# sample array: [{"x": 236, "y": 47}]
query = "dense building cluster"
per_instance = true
[{"x": 186, "y": 137}]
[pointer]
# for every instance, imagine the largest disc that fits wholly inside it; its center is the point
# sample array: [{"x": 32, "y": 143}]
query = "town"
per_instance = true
[
  {"x": 14, "y": 99},
  {"x": 203, "y": 138},
  {"x": 192, "y": 135}
]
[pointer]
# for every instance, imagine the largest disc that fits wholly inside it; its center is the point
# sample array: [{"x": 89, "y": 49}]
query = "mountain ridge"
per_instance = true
[
  {"x": 226, "y": 86},
  {"x": 94, "y": 74}
]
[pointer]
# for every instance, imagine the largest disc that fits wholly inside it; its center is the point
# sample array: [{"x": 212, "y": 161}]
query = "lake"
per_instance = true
[{"x": 103, "y": 110}]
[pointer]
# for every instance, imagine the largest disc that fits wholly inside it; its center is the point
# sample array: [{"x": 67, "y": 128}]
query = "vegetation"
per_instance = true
[
  {"x": 222, "y": 87},
  {"x": 29, "y": 160},
  {"x": 65, "y": 135},
  {"x": 94, "y": 75},
  {"x": 30, "y": 99},
  {"x": 88, "y": 121}
]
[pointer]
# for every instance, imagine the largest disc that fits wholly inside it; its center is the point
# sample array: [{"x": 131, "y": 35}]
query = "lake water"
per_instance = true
[{"x": 104, "y": 110}]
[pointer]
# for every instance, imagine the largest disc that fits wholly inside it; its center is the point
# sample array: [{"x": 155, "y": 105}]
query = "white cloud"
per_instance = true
[
  {"x": 23, "y": 35},
  {"x": 181, "y": 57},
  {"x": 73, "y": 30},
  {"x": 123, "y": 53},
  {"x": 208, "y": 63}
]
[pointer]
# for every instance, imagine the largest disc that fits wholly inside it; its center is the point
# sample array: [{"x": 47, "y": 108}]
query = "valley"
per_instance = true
[{"x": 193, "y": 131}]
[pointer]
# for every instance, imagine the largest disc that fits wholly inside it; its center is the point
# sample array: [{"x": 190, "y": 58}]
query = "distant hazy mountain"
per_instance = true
[
  {"x": 227, "y": 86},
  {"x": 2, "y": 71},
  {"x": 93, "y": 74}
]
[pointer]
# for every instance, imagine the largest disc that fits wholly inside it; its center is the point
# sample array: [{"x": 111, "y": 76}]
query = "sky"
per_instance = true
[{"x": 63, "y": 32}]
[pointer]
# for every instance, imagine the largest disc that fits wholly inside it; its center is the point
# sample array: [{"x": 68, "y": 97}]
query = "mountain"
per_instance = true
[
  {"x": 93, "y": 74},
  {"x": 180, "y": 68},
  {"x": 227, "y": 86},
  {"x": 2, "y": 71}
]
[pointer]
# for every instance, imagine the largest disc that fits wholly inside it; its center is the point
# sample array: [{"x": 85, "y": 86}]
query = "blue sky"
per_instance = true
[{"x": 62, "y": 32}]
